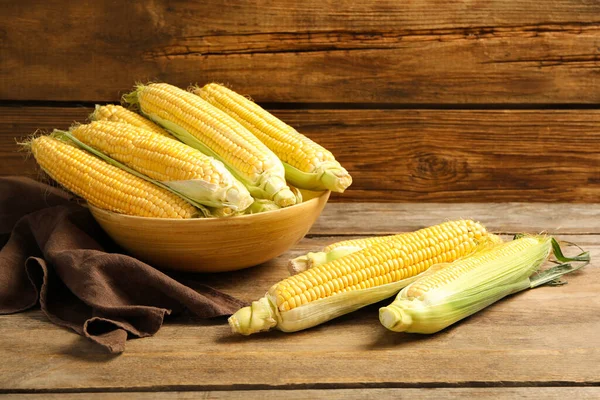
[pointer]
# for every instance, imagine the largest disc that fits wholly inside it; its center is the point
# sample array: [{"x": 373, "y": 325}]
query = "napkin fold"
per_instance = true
[{"x": 53, "y": 253}]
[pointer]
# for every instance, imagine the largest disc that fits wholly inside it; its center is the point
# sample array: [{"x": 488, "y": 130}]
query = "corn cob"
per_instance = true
[
  {"x": 103, "y": 185},
  {"x": 448, "y": 293},
  {"x": 202, "y": 126},
  {"x": 116, "y": 113},
  {"x": 174, "y": 164},
  {"x": 307, "y": 164},
  {"x": 358, "y": 279}
]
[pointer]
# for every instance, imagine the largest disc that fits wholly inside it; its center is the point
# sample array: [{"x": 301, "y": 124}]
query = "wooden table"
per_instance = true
[
  {"x": 540, "y": 343},
  {"x": 421, "y": 101}
]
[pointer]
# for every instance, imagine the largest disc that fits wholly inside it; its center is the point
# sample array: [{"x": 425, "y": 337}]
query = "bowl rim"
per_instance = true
[{"x": 315, "y": 199}]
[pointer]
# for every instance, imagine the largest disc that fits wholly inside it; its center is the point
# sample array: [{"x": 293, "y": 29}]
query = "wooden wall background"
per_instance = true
[{"x": 420, "y": 100}]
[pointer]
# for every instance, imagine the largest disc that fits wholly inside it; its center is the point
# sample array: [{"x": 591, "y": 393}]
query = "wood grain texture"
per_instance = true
[
  {"x": 415, "y": 155},
  {"x": 18, "y": 123},
  {"x": 387, "y": 218},
  {"x": 549, "y": 393},
  {"x": 541, "y": 337},
  {"x": 386, "y": 52},
  {"x": 469, "y": 155}
]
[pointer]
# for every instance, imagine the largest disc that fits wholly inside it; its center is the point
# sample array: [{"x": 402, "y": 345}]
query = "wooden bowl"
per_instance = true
[{"x": 213, "y": 244}]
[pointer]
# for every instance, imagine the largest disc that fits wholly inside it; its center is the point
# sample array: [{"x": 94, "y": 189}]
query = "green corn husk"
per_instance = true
[
  {"x": 258, "y": 206},
  {"x": 327, "y": 175},
  {"x": 475, "y": 283}
]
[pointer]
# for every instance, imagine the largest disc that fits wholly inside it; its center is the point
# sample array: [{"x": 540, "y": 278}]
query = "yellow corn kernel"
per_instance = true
[
  {"x": 153, "y": 155},
  {"x": 308, "y": 164},
  {"x": 104, "y": 185},
  {"x": 116, "y": 113},
  {"x": 200, "y": 125},
  {"x": 345, "y": 247}
]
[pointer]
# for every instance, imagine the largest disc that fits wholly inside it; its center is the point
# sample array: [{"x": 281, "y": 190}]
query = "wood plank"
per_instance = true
[
  {"x": 315, "y": 51},
  {"x": 416, "y": 155},
  {"x": 541, "y": 337},
  {"x": 478, "y": 156},
  {"x": 18, "y": 123},
  {"x": 549, "y": 393},
  {"x": 386, "y": 218}
]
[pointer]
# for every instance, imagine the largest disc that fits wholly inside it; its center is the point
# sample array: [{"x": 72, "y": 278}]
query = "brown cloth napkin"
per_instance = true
[{"x": 54, "y": 252}]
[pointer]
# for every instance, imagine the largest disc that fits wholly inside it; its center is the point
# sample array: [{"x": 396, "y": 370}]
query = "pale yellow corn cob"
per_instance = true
[
  {"x": 116, "y": 113},
  {"x": 104, "y": 185},
  {"x": 449, "y": 293},
  {"x": 360, "y": 278},
  {"x": 199, "y": 124},
  {"x": 308, "y": 164}
]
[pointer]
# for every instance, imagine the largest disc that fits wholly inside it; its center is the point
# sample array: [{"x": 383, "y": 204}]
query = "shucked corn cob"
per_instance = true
[
  {"x": 343, "y": 248},
  {"x": 448, "y": 293},
  {"x": 103, "y": 185},
  {"x": 176, "y": 165},
  {"x": 200, "y": 125},
  {"x": 307, "y": 164},
  {"x": 358, "y": 279},
  {"x": 116, "y": 113}
]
